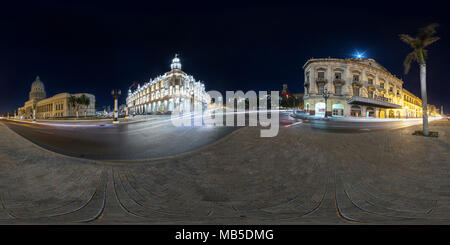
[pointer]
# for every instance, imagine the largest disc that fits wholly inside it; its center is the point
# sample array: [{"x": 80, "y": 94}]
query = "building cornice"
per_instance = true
[{"x": 351, "y": 61}]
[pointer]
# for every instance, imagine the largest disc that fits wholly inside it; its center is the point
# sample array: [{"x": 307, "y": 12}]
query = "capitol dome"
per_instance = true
[{"x": 37, "y": 90}]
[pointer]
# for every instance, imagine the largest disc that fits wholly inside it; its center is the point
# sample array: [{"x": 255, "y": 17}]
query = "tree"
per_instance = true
[
  {"x": 84, "y": 101},
  {"x": 75, "y": 103},
  {"x": 419, "y": 54}
]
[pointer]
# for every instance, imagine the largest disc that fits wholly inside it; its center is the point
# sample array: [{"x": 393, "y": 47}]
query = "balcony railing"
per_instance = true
[
  {"x": 338, "y": 81},
  {"x": 321, "y": 80},
  {"x": 357, "y": 83}
]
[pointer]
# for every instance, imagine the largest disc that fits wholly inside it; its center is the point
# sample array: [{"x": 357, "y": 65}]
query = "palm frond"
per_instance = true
[
  {"x": 407, "y": 39},
  {"x": 430, "y": 41},
  {"x": 429, "y": 30},
  {"x": 409, "y": 58}
]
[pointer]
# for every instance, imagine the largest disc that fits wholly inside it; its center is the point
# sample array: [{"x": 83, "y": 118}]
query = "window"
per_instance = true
[
  {"x": 355, "y": 91},
  {"x": 321, "y": 86},
  {"x": 370, "y": 81},
  {"x": 370, "y": 112},
  {"x": 382, "y": 85},
  {"x": 337, "y": 75},
  {"x": 355, "y": 111},
  {"x": 356, "y": 78},
  {"x": 338, "y": 90},
  {"x": 338, "y": 110},
  {"x": 321, "y": 75}
]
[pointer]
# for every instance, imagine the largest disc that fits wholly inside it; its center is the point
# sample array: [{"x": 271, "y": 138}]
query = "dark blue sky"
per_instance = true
[{"x": 97, "y": 46}]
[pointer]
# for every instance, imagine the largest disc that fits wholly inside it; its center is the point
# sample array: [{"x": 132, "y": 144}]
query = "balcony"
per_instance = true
[
  {"x": 321, "y": 80},
  {"x": 357, "y": 83},
  {"x": 377, "y": 101},
  {"x": 338, "y": 82}
]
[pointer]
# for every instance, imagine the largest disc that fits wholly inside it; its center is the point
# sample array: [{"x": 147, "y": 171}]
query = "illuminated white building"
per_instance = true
[{"x": 175, "y": 91}]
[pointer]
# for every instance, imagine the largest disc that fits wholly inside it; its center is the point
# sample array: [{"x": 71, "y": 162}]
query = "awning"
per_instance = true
[{"x": 356, "y": 100}]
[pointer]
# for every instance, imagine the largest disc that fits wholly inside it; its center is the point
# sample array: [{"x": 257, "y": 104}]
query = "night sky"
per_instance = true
[{"x": 248, "y": 45}]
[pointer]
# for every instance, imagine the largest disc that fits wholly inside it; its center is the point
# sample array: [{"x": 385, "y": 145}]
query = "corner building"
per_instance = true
[
  {"x": 357, "y": 88},
  {"x": 175, "y": 91}
]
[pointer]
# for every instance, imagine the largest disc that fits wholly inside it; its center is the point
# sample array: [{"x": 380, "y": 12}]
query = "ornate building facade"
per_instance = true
[
  {"x": 175, "y": 91},
  {"x": 53, "y": 107},
  {"x": 356, "y": 88},
  {"x": 412, "y": 104}
]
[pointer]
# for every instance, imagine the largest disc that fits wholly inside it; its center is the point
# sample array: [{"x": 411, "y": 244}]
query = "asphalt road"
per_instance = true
[
  {"x": 343, "y": 126},
  {"x": 156, "y": 137},
  {"x": 144, "y": 140}
]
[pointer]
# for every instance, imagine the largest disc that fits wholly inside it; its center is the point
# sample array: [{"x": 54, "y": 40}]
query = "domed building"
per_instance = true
[
  {"x": 175, "y": 91},
  {"x": 37, "y": 90},
  {"x": 54, "y": 107}
]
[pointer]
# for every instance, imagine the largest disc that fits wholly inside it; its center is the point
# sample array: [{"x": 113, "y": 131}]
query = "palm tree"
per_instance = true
[
  {"x": 74, "y": 103},
  {"x": 419, "y": 54},
  {"x": 85, "y": 101}
]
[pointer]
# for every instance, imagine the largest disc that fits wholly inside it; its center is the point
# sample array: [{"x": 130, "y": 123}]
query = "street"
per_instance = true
[{"x": 156, "y": 136}]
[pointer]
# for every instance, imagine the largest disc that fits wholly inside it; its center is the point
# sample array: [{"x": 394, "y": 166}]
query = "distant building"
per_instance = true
[
  {"x": 357, "y": 88},
  {"x": 173, "y": 91},
  {"x": 288, "y": 100},
  {"x": 412, "y": 104},
  {"x": 299, "y": 98},
  {"x": 432, "y": 110},
  {"x": 56, "y": 106},
  {"x": 285, "y": 91}
]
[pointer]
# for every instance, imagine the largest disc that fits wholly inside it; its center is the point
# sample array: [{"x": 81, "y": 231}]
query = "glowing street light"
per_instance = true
[{"x": 326, "y": 95}]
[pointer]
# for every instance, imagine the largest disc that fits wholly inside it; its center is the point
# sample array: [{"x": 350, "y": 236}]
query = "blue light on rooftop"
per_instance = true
[{"x": 359, "y": 55}]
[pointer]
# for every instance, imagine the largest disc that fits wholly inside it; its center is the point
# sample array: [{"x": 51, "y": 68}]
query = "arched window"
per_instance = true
[
  {"x": 338, "y": 110},
  {"x": 355, "y": 111},
  {"x": 370, "y": 112},
  {"x": 320, "y": 109},
  {"x": 391, "y": 114}
]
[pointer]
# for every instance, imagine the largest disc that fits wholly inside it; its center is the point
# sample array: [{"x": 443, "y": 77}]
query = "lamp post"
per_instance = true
[
  {"x": 116, "y": 94},
  {"x": 34, "y": 113},
  {"x": 326, "y": 95},
  {"x": 193, "y": 100}
]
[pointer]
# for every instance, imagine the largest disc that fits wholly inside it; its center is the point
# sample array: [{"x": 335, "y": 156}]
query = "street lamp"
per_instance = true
[
  {"x": 326, "y": 95},
  {"x": 193, "y": 100},
  {"x": 116, "y": 94},
  {"x": 34, "y": 113}
]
